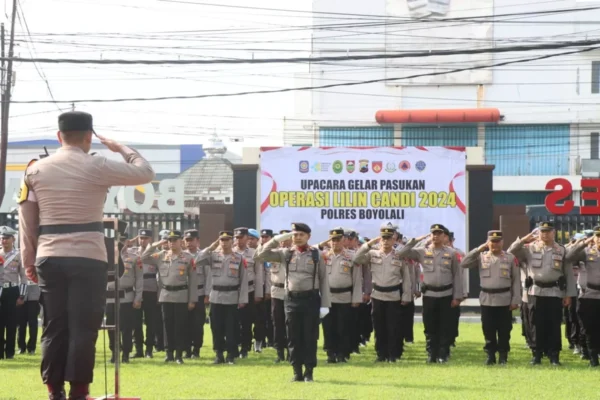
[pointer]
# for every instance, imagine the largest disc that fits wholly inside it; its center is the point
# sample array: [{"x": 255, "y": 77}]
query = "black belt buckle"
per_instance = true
[
  {"x": 304, "y": 294},
  {"x": 149, "y": 276},
  {"x": 340, "y": 290},
  {"x": 61, "y": 229}
]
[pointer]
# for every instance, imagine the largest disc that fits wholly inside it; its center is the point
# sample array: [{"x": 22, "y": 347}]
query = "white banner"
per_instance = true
[{"x": 362, "y": 187}]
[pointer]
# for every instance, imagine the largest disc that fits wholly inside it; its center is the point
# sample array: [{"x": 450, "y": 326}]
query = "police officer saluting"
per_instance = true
[
  {"x": 500, "y": 292},
  {"x": 197, "y": 316},
  {"x": 179, "y": 290},
  {"x": 131, "y": 286},
  {"x": 307, "y": 295},
  {"x": 550, "y": 283},
  {"x": 588, "y": 251},
  {"x": 388, "y": 281},
  {"x": 441, "y": 289},
  {"x": 13, "y": 292},
  {"x": 227, "y": 287}
]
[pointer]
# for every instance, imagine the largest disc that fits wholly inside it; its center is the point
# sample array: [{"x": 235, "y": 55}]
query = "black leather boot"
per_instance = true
[
  {"x": 491, "y": 359},
  {"x": 297, "y": 373},
  {"x": 280, "y": 356},
  {"x": 220, "y": 359},
  {"x": 308, "y": 375},
  {"x": 554, "y": 359},
  {"x": 503, "y": 358},
  {"x": 594, "y": 359}
]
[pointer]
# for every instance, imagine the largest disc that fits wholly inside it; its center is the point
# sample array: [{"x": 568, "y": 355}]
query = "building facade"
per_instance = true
[{"x": 547, "y": 118}]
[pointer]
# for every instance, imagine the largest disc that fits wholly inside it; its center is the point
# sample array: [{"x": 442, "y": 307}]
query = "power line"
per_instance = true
[
  {"x": 415, "y": 54},
  {"x": 312, "y": 87}
]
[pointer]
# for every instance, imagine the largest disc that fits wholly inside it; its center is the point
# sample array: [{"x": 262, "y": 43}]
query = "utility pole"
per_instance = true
[
  {"x": 72, "y": 106},
  {"x": 6, "y": 102}
]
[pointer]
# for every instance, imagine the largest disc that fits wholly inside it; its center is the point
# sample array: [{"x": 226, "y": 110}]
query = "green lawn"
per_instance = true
[{"x": 463, "y": 378}]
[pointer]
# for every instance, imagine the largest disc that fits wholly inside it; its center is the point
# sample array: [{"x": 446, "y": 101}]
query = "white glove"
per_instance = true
[
  {"x": 283, "y": 237},
  {"x": 323, "y": 312}
]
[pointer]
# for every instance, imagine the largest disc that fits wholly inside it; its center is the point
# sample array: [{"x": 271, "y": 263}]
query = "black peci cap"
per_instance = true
[
  {"x": 266, "y": 232},
  {"x": 300, "y": 227},
  {"x": 145, "y": 233},
  {"x": 240, "y": 231},
  {"x": 75, "y": 121},
  {"x": 191, "y": 234}
]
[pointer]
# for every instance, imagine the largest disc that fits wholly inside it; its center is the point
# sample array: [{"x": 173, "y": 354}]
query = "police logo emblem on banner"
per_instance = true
[
  {"x": 350, "y": 165},
  {"x": 377, "y": 166},
  {"x": 363, "y": 166}
]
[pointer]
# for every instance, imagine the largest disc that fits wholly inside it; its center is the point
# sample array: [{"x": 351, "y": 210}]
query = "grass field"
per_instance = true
[{"x": 464, "y": 377}]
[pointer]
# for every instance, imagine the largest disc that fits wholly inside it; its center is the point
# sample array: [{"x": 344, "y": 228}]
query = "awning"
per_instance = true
[{"x": 439, "y": 116}]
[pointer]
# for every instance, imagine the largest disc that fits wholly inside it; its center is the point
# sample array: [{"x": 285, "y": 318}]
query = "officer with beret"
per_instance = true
[
  {"x": 387, "y": 279},
  {"x": 265, "y": 236},
  {"x": 253, "y": 238},
  {"x": 441, "y": 288},
  {"x": 227, "y": 288},
  {"x": 255, "y": 292},
  {"x": 178, "y": 281},
  {"x": 500, "y": 294},
  {"x": 345, "y": 285},
  {"x": 587, "y": 251},
  {"x": 307, "y": 295},
  {"x": 149, "y": 312},
  {"x": 131, "y": 287},
  {"x": 197, "y": 316},
  {"x": 550, "y": 283},
  {"x": 14, "y": 291}
]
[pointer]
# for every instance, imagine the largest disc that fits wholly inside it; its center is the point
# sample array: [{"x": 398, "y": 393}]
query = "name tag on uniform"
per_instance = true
[
  {"x": 446, "y": 255},
  {"x": 428, "y": 253},
  {"x": 557, "y": 257}
]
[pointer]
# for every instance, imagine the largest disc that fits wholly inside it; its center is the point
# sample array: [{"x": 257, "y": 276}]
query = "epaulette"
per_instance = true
[{"x": 24, "y": 190}]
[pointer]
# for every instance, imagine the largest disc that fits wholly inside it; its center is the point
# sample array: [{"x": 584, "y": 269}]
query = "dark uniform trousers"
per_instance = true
[
  {"x": 573, "y": 326},
  {"x": 8, "y": 321},
  {"x": 496, "y": 323},
  {"x": 547, "y": 319},
  {"x": 146, "y": 316},
  {"x": 175, "y": 316},
  {"x": 224, "y": 322},
  {"x": 260, "y": 323},
  {"x": 279, "y": 327},
  {"x": 365, "y": 321},
  {"x": 438, "y": 319},
  {"x": 302, "y": 320},
  {"x": 386, "y": 321},
  {"x": 589, "y": 312},
  {"x": 455, "y": 323},
  {"x": 28, "y": 318},
  {"x": 247, "y": 316},
  {"x": 159, "y": 333},
  {"x": 74, "y": 298},
  {"x": 408, "y": 322},
  {"x": 268, "y": 321},
  {"x": 126, "y": 319},
  {"x": 354, "y": 328},
  {"x": 196, "y": 321},
  {"x": 336, "y": 328},
  {"x": 527, "y": 312}
]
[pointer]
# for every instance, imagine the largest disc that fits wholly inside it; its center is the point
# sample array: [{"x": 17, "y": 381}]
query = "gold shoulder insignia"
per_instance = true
[{"x": 24, "y": 189}]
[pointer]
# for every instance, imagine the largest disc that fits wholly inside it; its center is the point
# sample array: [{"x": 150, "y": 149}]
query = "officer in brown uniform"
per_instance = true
[
  {"x": 441, "y": 288},
  {"x": 227, "y": 288},
  {"x": 14, "y": 291},
  {"x": 197, "y": 316},
  {"x": 345, "y": 285},
  {"x": 550, "y": 283},
  {"x": 148, "y": 313},
  {"x": 255, "y": 293},
  {"x": 388, "y": 281},
  {"x": 307, "y": 295},
  {"x": 131, "y": 286},
  {"x": 588, "y": 252},
  {"x": 265, "y": 236},
  {"x": 500, "y": 294},
  {"x": 62, "y": 242},
  {"x": 177, "y": 278},
  {"x": 27, "y": 317}
]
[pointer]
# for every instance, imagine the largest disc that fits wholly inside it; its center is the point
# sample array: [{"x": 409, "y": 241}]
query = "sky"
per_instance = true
[{"x": 155, "y": 29}]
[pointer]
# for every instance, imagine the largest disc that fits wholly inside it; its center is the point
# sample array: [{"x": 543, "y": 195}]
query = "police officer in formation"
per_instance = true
[
  {"x": 27, "y": 319},
  {"x": 307, "y": 296},
  {"x": 13, "y": 290},
  {"x": 177, "y": 278},
  {"x": 500, "y": 291},
  {"x": 131, "y": 286},
  {"x": 550, "y": 283},
  {"x": 441, "y": 287},
  {"x": 574, "y": 329},
  {"x": 388, "y": 281},
  {"x": 227, "y": 287},
  {"x": 265, "y": 306}
]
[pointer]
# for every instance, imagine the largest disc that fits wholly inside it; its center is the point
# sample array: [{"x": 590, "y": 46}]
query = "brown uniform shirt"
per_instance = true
[{"x": 70, "y": 187}]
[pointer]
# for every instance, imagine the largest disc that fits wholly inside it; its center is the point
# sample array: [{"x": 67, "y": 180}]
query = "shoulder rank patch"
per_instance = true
[
  {"x": 24, "y": 189},
  {"x": 155, "y": 255}
]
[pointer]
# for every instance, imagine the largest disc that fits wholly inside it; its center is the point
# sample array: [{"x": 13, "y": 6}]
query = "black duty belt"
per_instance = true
[
  {"x": 302, "y": 294},
  {"x": 71, "y": 228},
  {"x": 279, "y": 285},
  {"x": 174, "y": 288},
  {"x": 200, "y": 287},
  {"x": 341, "y": 290},
  {"x": 229, "y": 288},
  {"x": 386, "y": 289},
  {"x": 250, "y": 283},
  {"x": 495, "y": 291},
  {"x": 149, "y": 276},
  {"x": 593, "y": 286},
  {"x": 546, "y": 285},
  {"x": 436, "y": 288},
  {"x": 110, "y": 294}
]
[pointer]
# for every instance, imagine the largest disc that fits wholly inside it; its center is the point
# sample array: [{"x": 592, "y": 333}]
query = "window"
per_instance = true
[{"x": 595, "y": 76}]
